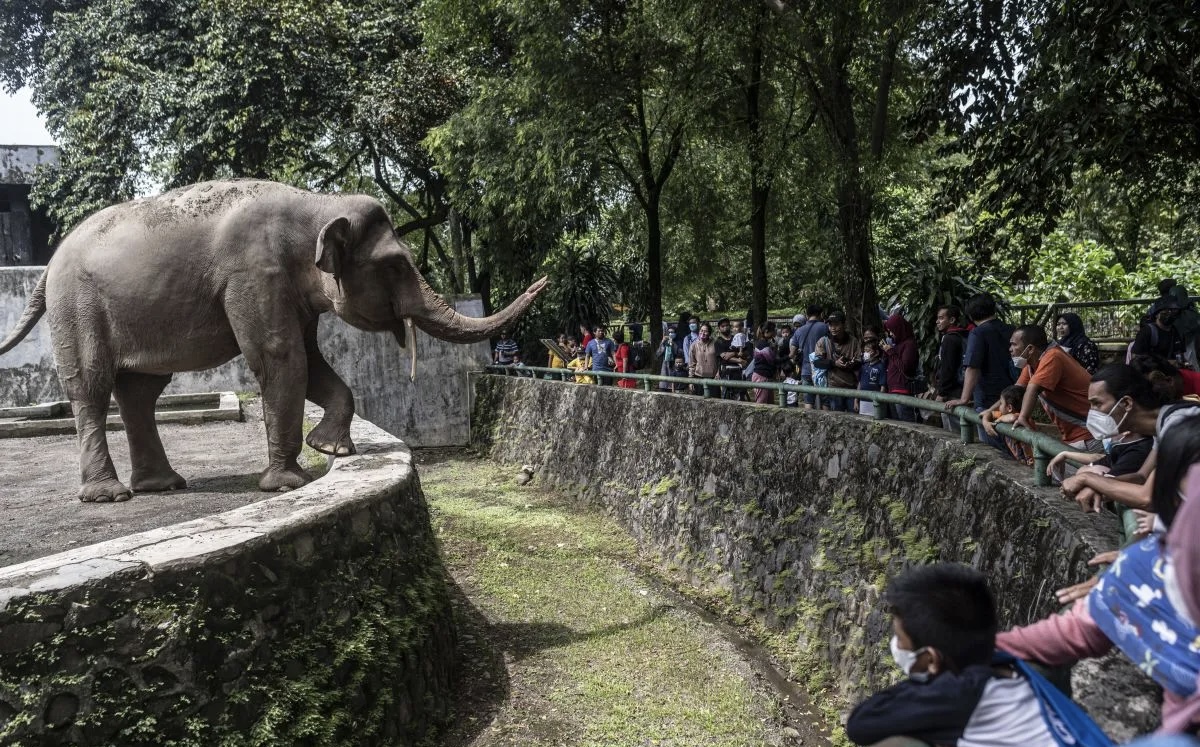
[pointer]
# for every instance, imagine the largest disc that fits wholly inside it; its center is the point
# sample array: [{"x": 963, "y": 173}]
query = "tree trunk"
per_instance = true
[
  {"x": 760, "y": 187},
  {"x": 854, "y": 224},
  {"x": 654, "y": 262}
]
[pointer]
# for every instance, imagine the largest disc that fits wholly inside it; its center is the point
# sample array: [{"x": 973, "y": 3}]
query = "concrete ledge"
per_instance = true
[
  {"x": 56, "y": 418},
  {"x": 315, "y": 616},
  {"x": 798, "y": 518}
]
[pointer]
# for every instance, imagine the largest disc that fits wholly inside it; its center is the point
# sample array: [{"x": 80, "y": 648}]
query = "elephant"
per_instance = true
[{"x": 187, "y": 280}]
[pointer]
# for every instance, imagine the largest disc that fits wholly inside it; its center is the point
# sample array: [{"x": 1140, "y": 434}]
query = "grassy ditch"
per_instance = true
[{"x": 592, "y": 653}]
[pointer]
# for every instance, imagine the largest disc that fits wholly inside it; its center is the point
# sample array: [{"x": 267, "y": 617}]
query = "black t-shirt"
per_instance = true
[{"x": 1125, "y": 459}]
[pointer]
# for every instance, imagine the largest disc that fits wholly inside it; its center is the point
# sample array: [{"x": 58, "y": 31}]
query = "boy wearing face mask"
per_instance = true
[{"x": 957, "y": 690}]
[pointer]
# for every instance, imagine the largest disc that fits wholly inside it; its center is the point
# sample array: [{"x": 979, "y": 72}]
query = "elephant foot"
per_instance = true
[
  {"x": 283, "y": 480},
  {"x": 330, "y": 438},
  {"x": 109, "y": 490},
  {"x": 157, "y": 482}
]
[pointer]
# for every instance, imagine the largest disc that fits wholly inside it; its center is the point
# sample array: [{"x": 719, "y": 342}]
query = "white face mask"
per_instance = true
[
  {"x": 905, "y": 659},
  {"x": 1019, "y": 362},
  {"x": 1102, "y": 424}
]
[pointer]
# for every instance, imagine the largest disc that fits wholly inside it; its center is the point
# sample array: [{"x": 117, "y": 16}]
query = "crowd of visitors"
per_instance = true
[{"x": 1132, "y": 428}]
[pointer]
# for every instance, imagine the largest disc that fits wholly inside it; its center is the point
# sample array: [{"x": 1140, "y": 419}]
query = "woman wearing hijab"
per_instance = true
[
  {"x": 1068, "y": 332},
  {"x": 900, "y": 350},
  {"x": 1147, "y": 603}
]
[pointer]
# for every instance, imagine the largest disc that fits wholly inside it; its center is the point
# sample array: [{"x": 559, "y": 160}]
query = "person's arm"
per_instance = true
[
  {"x": 1141, "y": 343},
  {"x": 1105, "y": 488},
  {"x": 986, "y": 417},
  {"x": 691, "y": 359},
  {"x": 1083, "y": 457},
  {"x": 936, "y": 712},
  {"x": 1025, "y": 419},
  {"x": 970, "y": 381},
  {"x": 1058, "y": 639}
]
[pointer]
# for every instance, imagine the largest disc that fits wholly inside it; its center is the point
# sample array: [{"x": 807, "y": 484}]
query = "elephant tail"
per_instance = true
[{"x": 34, "y": 308}]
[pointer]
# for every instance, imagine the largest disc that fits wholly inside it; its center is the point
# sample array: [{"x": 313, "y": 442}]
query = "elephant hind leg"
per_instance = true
[
  {"x": 136, "y": 394},
  {"x": 89, "y": 401}
]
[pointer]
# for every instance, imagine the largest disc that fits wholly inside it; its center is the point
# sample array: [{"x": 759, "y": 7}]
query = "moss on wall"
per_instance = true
[{"x": 341, "y": 635}]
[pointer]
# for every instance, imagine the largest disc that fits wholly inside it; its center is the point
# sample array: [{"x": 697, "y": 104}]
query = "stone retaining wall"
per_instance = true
[
  {"x": 800, "y": 517},
  {"x": 319, "y": 616}
]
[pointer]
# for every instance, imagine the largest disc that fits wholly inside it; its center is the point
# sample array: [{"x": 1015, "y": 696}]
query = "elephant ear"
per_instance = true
[{"x": 333, "y": 244}]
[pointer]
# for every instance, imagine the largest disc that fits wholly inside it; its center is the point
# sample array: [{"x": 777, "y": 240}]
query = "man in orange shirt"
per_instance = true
[{"x": 1053, "y": 378}]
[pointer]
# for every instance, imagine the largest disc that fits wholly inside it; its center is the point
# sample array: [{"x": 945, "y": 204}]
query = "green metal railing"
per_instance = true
[{"x": 1044, "y": 447}]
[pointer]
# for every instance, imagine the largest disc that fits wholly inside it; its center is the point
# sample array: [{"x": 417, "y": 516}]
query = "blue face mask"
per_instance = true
[
  {"x": 671, "y": 335},
  {"x": 693, "y": 327}
]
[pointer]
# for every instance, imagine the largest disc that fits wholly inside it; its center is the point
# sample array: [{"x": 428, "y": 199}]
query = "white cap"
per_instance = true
[{"x": 799, "y": 318}]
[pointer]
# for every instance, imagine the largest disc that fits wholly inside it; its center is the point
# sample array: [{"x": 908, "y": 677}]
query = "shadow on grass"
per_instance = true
[
  {"x": 522, "y": 640},
  {"x": 483, "y": 685}
]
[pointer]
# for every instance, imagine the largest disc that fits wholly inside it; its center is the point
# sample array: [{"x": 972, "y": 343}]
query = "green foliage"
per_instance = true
[
  {"x": 926, "y": 279},
  {"x": 585, "y": 286}
]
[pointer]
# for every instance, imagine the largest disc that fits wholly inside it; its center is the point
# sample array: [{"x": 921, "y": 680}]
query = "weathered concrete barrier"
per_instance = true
[
  {"x": 319, "y": 616},
  {"x": 432, "y": 411},
  {"x": 798, "y": 518}
]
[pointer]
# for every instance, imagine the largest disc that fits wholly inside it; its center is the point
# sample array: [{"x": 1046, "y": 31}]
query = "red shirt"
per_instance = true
[{"x": 1191, "y": 382}]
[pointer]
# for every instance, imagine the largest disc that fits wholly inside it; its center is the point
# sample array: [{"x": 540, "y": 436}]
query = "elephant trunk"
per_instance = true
[{"x": 438, "y": 319}]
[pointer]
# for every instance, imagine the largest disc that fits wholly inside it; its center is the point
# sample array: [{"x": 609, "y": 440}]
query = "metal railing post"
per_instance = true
[
  {"x": 878, "y": 411},
  {"x": 966, "y": 431},
  {"x": 1041, "y": 461}
]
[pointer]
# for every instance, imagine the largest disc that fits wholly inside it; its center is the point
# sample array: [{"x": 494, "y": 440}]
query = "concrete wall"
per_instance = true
[
  {"x": 431, "y": 412},
  {"x": 799, "y": 518},
  {"x": 18, "y": 162},
  {"x": 321, "y": 616}
]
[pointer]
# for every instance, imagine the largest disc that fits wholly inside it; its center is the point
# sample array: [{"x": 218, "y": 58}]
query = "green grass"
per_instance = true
[{"x": 596, "y": 656}]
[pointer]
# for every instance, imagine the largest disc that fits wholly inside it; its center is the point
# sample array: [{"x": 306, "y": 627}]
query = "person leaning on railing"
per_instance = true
[
  {"x": 1123, "y": 405},
  {"x": 703, "y": 362},
  {"x": 1053, "y": 378}
]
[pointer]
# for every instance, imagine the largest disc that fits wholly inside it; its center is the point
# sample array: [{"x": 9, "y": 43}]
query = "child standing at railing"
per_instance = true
[
  {"x": 1010, "y": 408},
  {"x": 872, "y": 377},
  {"x": 788, "y": 369}
]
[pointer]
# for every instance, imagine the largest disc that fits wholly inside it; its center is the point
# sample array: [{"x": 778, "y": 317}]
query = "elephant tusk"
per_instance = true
[{"x": 412, "y": 341}]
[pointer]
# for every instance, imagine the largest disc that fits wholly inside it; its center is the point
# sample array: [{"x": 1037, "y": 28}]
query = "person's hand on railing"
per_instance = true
[
  {"x": 1059, "y": 461},
  {"x": 988, "y": 426},
  {"x": 953, "y": 403},
  {"x": 1023, "y": 422},
  {"x": 1076, "y": 488},
  {"x": 1145, "y": 523},
  {"x": 1079, "y": 591}
]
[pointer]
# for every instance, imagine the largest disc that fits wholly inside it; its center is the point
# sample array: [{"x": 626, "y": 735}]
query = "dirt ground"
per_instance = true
[{"x": 40, "y": 515}]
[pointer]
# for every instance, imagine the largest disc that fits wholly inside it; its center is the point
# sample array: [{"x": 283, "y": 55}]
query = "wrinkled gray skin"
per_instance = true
[{"x": 187, "y": 280}]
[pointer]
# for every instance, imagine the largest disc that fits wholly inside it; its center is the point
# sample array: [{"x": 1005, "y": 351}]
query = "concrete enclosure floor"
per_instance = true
[{"x": 40, "y": 514}]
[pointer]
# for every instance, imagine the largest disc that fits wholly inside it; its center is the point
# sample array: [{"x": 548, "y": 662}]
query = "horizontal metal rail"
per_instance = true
[{"x": 1044, "y": 447}]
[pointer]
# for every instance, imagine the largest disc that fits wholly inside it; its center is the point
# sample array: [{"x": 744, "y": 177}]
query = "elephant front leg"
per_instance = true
[
  {"x": 327, "y": 390},
  {"x": 282, "y": 376}
]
